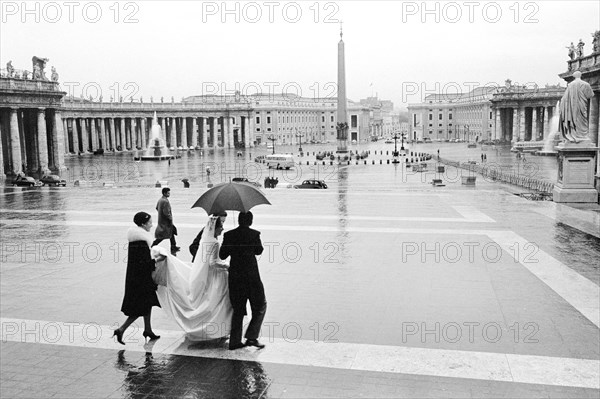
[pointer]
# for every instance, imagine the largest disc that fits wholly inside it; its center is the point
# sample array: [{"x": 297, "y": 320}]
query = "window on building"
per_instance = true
[
  {"x": 431, "y": 124},
  {"x": 331, "y": 118},
  {"x": 268, "y": 129},
  {"x": 430, "y": 117},
  {"x": 440, "y": 116},
  {"x": 490, "y": 114},
  {"x": 268, "y": 119},
  {"x": 258, "y": 119},
  {"x": 450, "y": 116},
  {"x": 353, "y": 121},
  {"x": 439, "y": 125},
  {"x": 258, "y": 129},
  {"x": 323, "y": 118}
]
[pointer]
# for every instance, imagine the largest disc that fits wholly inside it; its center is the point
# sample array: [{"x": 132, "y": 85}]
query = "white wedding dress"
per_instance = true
[{"x": 196, "y": 297}]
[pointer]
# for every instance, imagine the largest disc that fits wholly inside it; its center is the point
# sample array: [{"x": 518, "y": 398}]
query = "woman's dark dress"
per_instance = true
[{"x": 140, "y": 290}]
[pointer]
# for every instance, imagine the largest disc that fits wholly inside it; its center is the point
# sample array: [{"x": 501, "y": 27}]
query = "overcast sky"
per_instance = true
[{"x": 395, "y": 49}]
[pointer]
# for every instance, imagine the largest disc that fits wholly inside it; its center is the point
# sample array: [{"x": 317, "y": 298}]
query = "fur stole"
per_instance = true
[{"x": 137, "y": 233}]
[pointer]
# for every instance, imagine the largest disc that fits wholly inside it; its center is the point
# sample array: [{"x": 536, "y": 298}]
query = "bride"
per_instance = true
[{"x": 196, "y": 297}]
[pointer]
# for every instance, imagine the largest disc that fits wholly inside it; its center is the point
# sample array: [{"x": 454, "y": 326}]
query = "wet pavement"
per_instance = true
[{"x": 380, "y": 286}]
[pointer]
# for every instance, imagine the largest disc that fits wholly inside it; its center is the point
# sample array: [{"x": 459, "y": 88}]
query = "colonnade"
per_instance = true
[
  {"x": 522, "y": 123},
  {"x": 126, "y": 133},
  {"x": 33, "y": 138}
]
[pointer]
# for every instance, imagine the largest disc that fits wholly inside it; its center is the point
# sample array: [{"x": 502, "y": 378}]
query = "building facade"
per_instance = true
[
  {"x": 40, "y": 125},
  {"x": 522, "y": 114},
  {"x": 443, "y": 117},
  {"x": 508, "y": 114}
]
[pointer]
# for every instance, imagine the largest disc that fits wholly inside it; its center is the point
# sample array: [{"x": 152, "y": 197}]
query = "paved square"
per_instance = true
[{"x": 380, "y": 286}]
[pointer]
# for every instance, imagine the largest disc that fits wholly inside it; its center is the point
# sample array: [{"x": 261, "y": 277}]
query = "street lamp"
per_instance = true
[
  {"x": 395, "y": 154},
  {"x": 299, "y": 135},
  {"x": 272, "y": 139}
]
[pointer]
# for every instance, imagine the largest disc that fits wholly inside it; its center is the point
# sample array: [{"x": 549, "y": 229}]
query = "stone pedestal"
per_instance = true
[{"x": 575, "y": 183}]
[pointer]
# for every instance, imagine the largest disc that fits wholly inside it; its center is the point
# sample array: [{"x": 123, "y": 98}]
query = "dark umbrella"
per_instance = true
[{"x": 230, "y": 197}]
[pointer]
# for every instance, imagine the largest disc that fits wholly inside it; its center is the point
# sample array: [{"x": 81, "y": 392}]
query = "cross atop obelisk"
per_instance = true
[{"x": 342, "y": 113}]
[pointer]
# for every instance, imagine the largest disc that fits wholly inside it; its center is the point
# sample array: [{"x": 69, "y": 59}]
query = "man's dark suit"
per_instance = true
[{"x": 243, "y": 244}]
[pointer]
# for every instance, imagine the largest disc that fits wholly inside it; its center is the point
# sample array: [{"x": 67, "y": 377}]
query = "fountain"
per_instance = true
[
  {"x": 553, "y": 138},
  {"x": 157, "y": 150}
]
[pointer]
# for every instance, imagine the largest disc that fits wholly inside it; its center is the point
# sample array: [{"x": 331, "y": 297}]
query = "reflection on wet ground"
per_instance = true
[
  {"x": 190, "y": 377},
  {"x": 224, "y": 164}
]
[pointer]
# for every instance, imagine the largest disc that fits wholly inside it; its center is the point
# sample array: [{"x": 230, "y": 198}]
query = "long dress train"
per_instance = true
[{"x": 196, "y": 297}]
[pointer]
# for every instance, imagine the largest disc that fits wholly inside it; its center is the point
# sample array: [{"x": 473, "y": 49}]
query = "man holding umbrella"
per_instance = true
[{"x": 243, "y": 244}]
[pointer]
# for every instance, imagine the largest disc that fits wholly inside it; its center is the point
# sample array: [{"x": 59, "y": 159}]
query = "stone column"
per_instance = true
[
  {"x": 230, "y": 132},
  {"x": 194, "y": 132},
  {"x": 85, "y": 136},
  {"x": 111, "y": 126},
  {"x": 58, "y": 137},
  {"x": 133, "y": 139},
  {"x": 213, "y": 131},
  {"x": 94, "y": 133},
  {"x": 522, "y": 124},
  {"x": 204, "y": 122},
  {"x": 42, "y": 141},
  {"x": 74, "y": 135},
  {"x": 168, "y": 132},
  {"x": 545, "y": 126},
  {"x": 184, "y": 141},
  {"x": 122, "y": 139},
  {"x": 499, "y": 125},
  {"x": 226, "y": 124},
  {"x": 534, "y": 124},
  {"x": 594, "y": 120},
  {"x": 143, "y": 132},
  {"x": 247, "y": 126},
  {"x": 66, "y": 136},
  {"x": 102, "y": 134},
  {"x": 15, "y": 142}
]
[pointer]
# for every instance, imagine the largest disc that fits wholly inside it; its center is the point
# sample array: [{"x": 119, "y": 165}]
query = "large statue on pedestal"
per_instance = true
[{"x": 574, "y": 110}]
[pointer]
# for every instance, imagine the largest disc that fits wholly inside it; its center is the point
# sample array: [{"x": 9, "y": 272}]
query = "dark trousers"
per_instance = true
[
  {"x": 258, "y": 305},
  {"x": 159, "y": 240}
]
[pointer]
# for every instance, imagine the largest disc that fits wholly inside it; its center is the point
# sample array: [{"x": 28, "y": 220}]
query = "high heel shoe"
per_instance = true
[
  {"x": 119, "y": 334},
  {"x": 150, "y": 335}
]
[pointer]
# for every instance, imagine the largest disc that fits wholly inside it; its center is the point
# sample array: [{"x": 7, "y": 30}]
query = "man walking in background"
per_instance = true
[{"x": 165, "y": 228}]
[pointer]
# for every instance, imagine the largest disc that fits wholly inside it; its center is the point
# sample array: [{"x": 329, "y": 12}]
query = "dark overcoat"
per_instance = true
[
  {"x": 164, "y": 229},
  {"x": 243, "y": 245},
  {"x": 140, "y": 290}
]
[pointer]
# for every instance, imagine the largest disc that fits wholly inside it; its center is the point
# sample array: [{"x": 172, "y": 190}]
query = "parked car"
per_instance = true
[
  {"x": 312, "y": 184},
  {"x": 53, "y": 180},
  {"x": 245, "y": 180},
  {"x": 427, "y": 140},
  {"x": 25, "y": 181}
]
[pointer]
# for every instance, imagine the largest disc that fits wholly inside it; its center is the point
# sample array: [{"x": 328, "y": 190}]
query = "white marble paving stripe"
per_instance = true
[
  {"x": 488, "y": 366},
  {"x": 261, "y": 227},
  {"x": 469, "y": 215},
  {"x": 577, "y": 290}
]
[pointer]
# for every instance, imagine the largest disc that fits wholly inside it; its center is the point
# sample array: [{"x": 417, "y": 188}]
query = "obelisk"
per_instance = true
[{"x": 342, "y": 112}]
